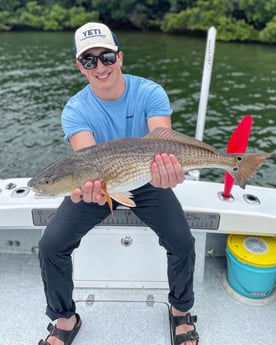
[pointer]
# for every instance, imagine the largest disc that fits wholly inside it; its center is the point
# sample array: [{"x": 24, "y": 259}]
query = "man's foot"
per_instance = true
[
  {"x": 64, "y": 325},
  {"x": 184, "y": 328}
]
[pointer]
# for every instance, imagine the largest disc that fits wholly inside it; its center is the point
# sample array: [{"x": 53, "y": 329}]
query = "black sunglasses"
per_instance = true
[{"x": 90, "y": 61}]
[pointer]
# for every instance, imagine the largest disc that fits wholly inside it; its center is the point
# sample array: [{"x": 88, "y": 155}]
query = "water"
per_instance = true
[{"x": 38, "y": 76}]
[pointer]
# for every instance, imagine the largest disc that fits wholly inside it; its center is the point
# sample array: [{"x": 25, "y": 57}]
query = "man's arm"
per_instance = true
[{"x": 81, "y": 140}]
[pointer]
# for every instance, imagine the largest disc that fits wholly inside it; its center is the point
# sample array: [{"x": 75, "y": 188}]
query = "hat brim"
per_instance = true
[{"x": 108, "y": 46}]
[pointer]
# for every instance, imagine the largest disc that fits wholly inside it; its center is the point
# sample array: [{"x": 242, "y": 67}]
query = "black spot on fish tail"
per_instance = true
[{"x": 247, "y": 165}]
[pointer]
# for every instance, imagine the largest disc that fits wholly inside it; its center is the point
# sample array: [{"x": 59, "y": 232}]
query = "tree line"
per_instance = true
[{"x": 235, "y": 20}]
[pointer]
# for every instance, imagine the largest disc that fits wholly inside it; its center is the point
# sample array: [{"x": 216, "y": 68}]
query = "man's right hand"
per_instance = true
[{"x": 92, "y": 192}]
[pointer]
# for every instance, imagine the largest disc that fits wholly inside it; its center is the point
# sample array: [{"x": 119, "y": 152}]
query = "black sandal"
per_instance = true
[
  {"x": 66, "y": 336},
  {"x": 181, "y": 320}
]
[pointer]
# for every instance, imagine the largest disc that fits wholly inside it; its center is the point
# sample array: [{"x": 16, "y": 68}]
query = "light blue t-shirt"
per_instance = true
[{"x": 125, "y": 117}]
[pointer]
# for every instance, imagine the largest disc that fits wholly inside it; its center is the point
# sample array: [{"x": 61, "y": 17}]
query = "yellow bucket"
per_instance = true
[{"x": 251, "y": 265}]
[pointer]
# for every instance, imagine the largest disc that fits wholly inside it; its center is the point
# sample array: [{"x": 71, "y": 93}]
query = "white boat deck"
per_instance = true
[{"x": 126, "y": 316}]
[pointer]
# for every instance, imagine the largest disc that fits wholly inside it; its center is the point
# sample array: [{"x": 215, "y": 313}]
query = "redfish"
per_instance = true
[{"x": 124, "y": 164}]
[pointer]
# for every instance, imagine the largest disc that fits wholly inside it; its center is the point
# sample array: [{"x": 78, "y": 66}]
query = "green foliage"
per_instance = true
[
  {"x": 56, "y": 18},
  {"x": 114, "y": 10},
  {"x": 242, "y": 20},
  {"x": 182, "y": 21},
  {"x": 139, "y": 17},
  {"x": 4, "y": 20},
  {"x": 60, "y": 18},
  {"x": 53, "y": 18},
  {"x": 204, "y": 14},
  {"x": 180, "y": 5},
  {"x": 229, "y": 29},
  {"x": 258, "y": 12},
  {"x": 141, "y": 14},
  {"x": 200, "y": 17},
  {"x": 11, "y": 6},
  {"x": 149, "y": 15},
  {"x": 31, "y": 15},
  {"x": 268, "y": 34},
  {"x": 78, "y": 16}
]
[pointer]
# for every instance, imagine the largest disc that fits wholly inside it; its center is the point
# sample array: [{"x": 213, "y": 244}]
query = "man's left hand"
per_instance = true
[{"x": 166, "y": 171}]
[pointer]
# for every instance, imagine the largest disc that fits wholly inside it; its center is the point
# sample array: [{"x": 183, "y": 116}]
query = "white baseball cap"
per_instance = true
[{"x": 94, "y": 35}]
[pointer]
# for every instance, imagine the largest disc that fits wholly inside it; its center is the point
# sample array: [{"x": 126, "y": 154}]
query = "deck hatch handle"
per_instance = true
[{"x": 126, "y": 241}]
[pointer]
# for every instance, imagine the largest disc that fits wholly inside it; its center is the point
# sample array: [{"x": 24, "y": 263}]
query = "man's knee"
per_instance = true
[
  {"x": 48, "y": 245},
  {"x": 184, "y": 246},
  {"x": 44, "y": 246},
  {"x": 180, "y": 247}
]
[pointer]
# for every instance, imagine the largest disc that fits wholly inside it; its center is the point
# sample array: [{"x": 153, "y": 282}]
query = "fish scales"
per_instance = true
[{"x": 120, "y": 162}]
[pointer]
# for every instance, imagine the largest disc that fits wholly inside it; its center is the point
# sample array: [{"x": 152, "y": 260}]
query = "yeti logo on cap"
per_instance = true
[{"x": 92, "y": 33}]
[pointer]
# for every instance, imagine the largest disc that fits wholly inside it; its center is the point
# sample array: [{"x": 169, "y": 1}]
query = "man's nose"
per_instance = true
[{"x": 100, "y": 65}]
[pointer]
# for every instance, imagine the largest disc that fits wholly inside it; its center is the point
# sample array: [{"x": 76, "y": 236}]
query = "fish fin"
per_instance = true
[
  {"x": 108, "y": 197},
  {"x": 164, "y": 133},
  {"x": 247, "y": 165},
  {"x": 124, "y": 198}
]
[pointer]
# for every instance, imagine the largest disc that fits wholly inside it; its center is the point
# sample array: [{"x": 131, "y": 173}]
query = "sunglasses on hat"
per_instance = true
[{"x": 90, "y": 61}]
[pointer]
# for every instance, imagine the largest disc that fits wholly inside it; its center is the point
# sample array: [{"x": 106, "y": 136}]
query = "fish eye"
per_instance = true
[{"x": 48, "y": 181}]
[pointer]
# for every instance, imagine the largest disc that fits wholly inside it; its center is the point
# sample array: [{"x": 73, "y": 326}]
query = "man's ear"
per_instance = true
[
  {"x": 121, "y": 57},
  {"x": 79, "y": 67}
]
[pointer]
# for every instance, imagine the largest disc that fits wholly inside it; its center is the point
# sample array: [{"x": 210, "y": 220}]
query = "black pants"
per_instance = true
[{"x": 158, "y": 208}]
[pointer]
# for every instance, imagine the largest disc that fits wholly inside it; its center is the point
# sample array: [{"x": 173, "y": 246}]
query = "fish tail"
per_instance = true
[{"x": 247, "y": 165}]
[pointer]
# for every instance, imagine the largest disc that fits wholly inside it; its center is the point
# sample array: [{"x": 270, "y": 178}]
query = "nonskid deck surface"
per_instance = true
[{"x": 120, "y": 317}]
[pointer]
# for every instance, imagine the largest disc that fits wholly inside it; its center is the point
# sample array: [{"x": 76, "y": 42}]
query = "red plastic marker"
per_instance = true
[{"x": 237, "y": 144}]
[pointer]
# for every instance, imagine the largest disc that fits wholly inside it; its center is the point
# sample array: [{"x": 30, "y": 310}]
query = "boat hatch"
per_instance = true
[{"x": 123, "y": 322}]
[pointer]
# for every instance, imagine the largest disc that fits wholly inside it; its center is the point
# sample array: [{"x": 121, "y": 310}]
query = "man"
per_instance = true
[{"x": 114, "y": 105}]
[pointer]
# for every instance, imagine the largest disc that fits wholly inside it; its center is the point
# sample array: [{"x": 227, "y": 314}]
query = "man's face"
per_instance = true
[{"x": 106, "y": 74}]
